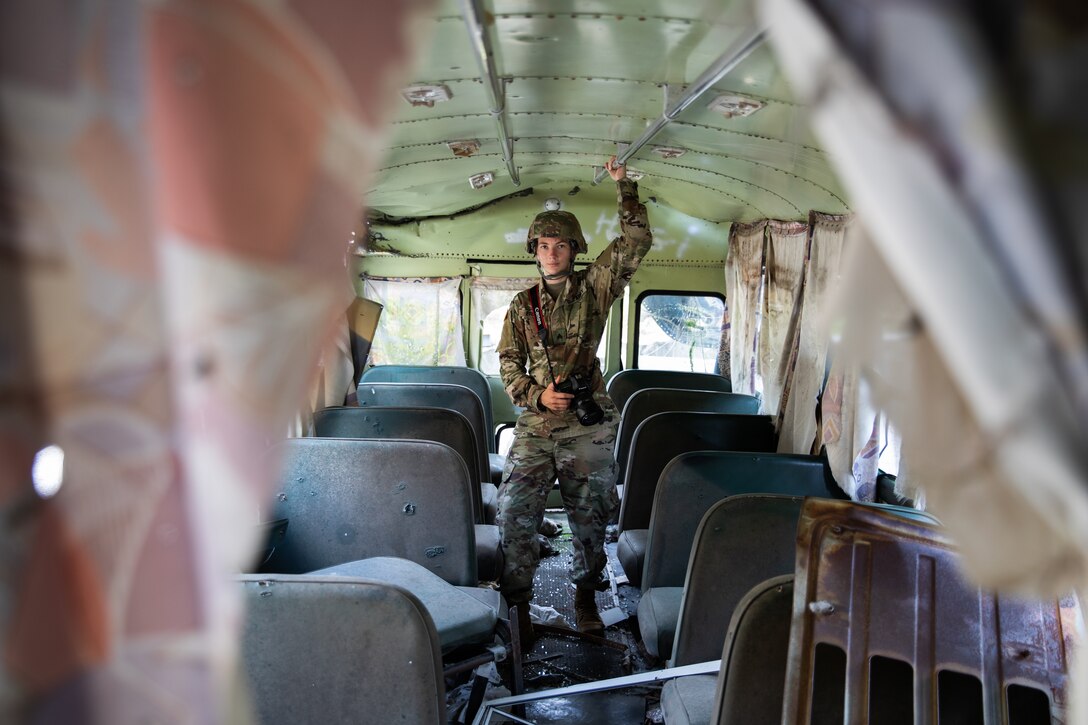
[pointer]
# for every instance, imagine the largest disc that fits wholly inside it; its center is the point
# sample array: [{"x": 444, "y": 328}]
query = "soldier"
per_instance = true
[{"x": 549, "y": 366}]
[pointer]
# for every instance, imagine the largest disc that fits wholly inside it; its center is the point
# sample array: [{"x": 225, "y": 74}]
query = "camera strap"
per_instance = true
[
  {"x": 538, "y": 316},
  {"x": 541, "y": 325}
]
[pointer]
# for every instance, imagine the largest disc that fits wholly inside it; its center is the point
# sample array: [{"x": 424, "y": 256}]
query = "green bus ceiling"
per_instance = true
[{"x": 578, "y": 81}]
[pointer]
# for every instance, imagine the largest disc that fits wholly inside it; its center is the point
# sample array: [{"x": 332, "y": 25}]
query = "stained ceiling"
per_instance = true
[{"x": 580, "y": 78}]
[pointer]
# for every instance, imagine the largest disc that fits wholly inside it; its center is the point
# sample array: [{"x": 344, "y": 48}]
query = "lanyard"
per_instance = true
[
  {"x": 541, "y": 326},
  {"x": 538, "y": 316}
]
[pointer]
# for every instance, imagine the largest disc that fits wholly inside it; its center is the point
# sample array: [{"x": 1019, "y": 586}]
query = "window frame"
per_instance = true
[{"x": 637, "y": 327}]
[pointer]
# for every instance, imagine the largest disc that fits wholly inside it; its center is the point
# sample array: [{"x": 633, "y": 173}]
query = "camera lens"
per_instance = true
[{"x": 588, "y": 412}]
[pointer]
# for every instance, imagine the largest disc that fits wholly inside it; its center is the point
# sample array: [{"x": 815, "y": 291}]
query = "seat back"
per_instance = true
[
  {"x": 885, "y": 628},
  {"x": 350, "y": 499},
  {"x": 693, "y": 482},
  {"x": 742, "y": 541},
  {"x": 441, "y": 425},
  {"x": 470, "y": 378},
  {"x": 648, "y": 401},
  {"x": 432, "y": 395},
  {"x": 754, "y": 657},
  {"x": 624, "y": 383},
  {"x": 663, "y": 436},
  {"x": 337, "y": 649}
]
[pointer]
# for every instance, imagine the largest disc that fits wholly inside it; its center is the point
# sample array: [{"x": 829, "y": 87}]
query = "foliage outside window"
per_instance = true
[
  {"x": 679, "y": 332},
  {"x": 420, "y": 323}
]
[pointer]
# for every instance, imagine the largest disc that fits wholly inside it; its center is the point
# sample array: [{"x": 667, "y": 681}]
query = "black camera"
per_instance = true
[{"x": 587, "y": 410}]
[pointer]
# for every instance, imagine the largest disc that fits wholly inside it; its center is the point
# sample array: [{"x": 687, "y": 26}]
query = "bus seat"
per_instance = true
[
  {"x": 439, "y": 395},
  {"x": 647, "y": 401},
  {"x": 693, "y": 482},
  {"x": 688, "y": 487},
  {"x": 741, "y": 541},
  {"x": 350, "y": 499},
  {"x": 753, "y": 660},
  {"x": 467, "y": 619},
  {"x": 658, "y": 440},
  {"x": 459, "y": 617},
  {"x": 470, "y": 378},
  {"x": 885, "y": 625},
  {"x": 442, "y": 425},
  {"x": 331, "y": 649},
  {"x": 624, "y": 383}
]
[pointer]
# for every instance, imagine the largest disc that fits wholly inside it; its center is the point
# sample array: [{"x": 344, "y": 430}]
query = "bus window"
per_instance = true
[
  {"x": 491, "y": 298},
  {"x": 421, "y": 322},
  {"x": 491, "y": 330},
  {"x": 678, "y": 331}
]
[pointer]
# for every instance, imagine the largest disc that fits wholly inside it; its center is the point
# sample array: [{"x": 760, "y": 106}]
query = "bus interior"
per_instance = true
[{"x": 258, "y": 260}]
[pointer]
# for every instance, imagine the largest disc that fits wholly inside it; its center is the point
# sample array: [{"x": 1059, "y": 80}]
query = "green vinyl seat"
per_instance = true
[
  {"x": 625, "y": 383},
  {"x": 461, "y": 615},
  {"x": 753, "y": 660},
  {"x": 470, "y": 378},
  {"x": 688, "y": 487},
  {"x": 659, "y": 439},
  {"x": 463, "y": 399},
  {"x": 350, "y": 499},
  {"x": 647, "y": 401},
  {"x": 337, "y": 649}
]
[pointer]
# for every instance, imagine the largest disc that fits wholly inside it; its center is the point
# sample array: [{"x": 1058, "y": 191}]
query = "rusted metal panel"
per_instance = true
[{"x": 874, "y": 584}]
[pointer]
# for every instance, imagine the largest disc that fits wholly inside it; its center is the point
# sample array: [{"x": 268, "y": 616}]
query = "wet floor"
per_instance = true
[{"x": 558, "y": 661}]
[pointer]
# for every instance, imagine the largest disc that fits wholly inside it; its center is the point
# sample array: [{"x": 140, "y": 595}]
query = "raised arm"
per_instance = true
[{"x": 613, "y": 268}]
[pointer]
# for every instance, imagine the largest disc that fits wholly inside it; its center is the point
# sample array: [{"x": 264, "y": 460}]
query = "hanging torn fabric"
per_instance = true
[
  {"x": 784, "y": 261},
  {"x": 744, "y": 285},
  {"x": 811, "y": 333}
]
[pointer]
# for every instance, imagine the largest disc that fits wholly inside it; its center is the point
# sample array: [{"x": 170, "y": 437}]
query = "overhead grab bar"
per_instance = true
[
  {"x": 485, "y": 57},
  {"x": 717, "y": 70}
]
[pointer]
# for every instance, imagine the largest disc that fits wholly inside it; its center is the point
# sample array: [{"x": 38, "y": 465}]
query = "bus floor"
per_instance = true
[{"x": 557, "y": 660}]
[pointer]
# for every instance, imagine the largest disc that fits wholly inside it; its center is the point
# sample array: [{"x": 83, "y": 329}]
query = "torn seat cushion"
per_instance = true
[
  {"x": 459, "y": 616},
  {"x": 658, "y": 612}
]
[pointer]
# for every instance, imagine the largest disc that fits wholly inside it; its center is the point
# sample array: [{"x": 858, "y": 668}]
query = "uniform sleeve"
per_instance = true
[
  {"x": 513, "y": 353},
  {"x": 614, "y": 267}
]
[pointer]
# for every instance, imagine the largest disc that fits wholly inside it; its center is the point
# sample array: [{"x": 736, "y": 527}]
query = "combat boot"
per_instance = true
[{"x": 586, "y": 617}]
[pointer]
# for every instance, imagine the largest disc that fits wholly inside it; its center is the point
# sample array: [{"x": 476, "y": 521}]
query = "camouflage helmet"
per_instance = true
[{"x": 558, "y": 224}]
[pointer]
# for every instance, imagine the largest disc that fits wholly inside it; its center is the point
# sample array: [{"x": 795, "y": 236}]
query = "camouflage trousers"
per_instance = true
[{"x": 586, "y": 472}]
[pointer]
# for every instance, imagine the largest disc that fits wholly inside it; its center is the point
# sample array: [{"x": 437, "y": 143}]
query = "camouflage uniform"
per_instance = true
[{"x": 548, "y": 445}]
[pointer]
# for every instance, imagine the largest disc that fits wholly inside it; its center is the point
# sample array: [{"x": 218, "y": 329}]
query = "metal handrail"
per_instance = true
[
  {"x": 728, "y": 60},
  {"x": 473, "y": 13}
]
